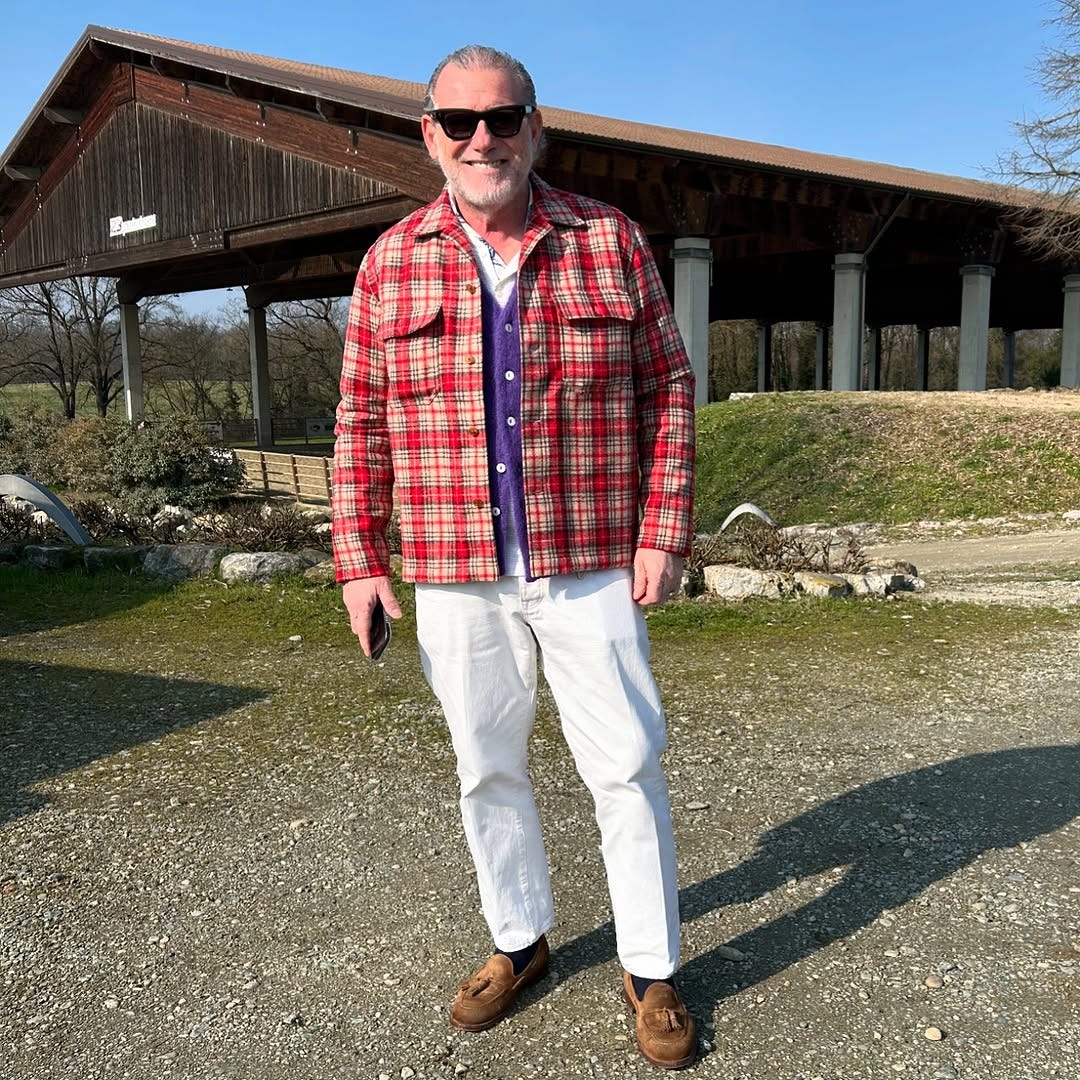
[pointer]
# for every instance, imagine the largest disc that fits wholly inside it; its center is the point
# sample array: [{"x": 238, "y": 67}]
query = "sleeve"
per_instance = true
[
  {"x": 664, "y": 391},
  {"x": 363, "y": 473}
]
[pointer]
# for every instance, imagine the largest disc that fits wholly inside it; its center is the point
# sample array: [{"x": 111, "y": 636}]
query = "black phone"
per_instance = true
[{"x": 378, "y": 631}]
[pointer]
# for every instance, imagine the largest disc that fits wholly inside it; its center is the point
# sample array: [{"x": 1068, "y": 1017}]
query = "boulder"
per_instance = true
[
  {"x": 178, "y": 561},
  {"x": 824, "y": 586},
  {"x": 322, "y": 573},
  {"x": 9, "y": 553},
  {"x": 121, "y": 557},
  {"x": 1071, "y": 515},
  {"x": 50, "y": 556},
  {"x": 172, "y": 515},
  {"x": 261, "y": 565},
  {"x": 741, "y": 582},
  {"x": 314, "y": 556}
]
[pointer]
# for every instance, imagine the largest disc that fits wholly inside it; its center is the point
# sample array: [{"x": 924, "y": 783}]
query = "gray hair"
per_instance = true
[{"x": 482, "y": 58}]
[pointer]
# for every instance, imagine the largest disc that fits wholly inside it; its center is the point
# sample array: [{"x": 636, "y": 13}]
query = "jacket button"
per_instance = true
[
  {"x": 479, "y": 504},
  {"x": 474, "y": 431},
  {"x": 470, "y": 289},
  {"x": 470, "y": 360}
]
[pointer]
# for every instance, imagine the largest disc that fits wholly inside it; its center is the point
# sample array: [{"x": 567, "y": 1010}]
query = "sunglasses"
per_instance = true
[{"x": 504, "y": 122}]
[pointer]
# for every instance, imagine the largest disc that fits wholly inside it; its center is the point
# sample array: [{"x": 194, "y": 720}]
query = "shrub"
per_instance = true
[
  {"x": 170, "y": 462},
  {"x": 80, "y": 452},
  {"x": 258, "y": 526},
  {"x": 18, "y": 527},
  {"x": 26, "y": 438}
]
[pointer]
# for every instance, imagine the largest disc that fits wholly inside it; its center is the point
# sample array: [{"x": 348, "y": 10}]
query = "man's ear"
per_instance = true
[{"x": 427, "y": 129}]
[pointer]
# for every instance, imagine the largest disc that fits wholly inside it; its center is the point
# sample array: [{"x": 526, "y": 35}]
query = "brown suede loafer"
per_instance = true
[
  {"x": 487, "y": 996},
  {"x": 665, "y": 1030}
]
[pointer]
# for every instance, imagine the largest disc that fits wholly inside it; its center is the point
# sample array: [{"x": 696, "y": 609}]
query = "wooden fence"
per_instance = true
[{"x": 305, "y": 477}]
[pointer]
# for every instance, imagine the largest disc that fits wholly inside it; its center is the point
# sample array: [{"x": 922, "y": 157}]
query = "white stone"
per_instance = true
[
  {"x": 261, "y": 565},
  {"x": 1071, "y": 515},
  {"x": 823, "y": 586},
  {"x": 173, "y": 515},
  {"x": 741, "y": 582}
]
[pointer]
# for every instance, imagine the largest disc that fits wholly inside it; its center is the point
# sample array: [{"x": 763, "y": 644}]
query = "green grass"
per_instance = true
[{"x": 845, "y": 458}]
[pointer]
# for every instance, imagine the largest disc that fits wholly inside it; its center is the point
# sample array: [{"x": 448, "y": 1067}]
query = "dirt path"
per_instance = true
[
  {"x": 1041, "y": 568},
  {"x": 993, "y": 552}
]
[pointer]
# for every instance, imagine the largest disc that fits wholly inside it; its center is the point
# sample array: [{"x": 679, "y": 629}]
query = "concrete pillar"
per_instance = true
[
  {"x": 764, "y": 357},
  {"x": 1008, "y": 361},
  {"x": 922, "y": 358},
  {"x": 260, "y": 375},
  {"x": 974, "y": 326},
  {"x": 873, "y": 367},
  {"x": 821, "y": 356},
  {"x": 1070, "y": 333},
  {"x": 848, "y": 274},
  {"x": 131, "y": 359},
  {"x": 692, "y": 256}
]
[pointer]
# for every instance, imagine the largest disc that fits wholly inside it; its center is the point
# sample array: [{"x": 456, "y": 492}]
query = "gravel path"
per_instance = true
[{"x": 251, "y": 877}]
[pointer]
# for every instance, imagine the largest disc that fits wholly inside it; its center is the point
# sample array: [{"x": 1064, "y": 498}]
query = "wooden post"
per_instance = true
[
  {"x": 326, "y": 477},
  {"x": 295, "y": 477}
]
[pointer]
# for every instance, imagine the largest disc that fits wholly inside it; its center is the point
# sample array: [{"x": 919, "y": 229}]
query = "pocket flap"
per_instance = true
[
  {"x": 401, "y": 320},
  {"x": 608, "y": 304}
]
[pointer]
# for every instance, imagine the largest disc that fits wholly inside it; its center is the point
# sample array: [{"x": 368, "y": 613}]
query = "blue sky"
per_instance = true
[{"x": 932, "y": 84}]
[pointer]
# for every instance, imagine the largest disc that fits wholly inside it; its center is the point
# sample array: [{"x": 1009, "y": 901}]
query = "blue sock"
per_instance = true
[
  {"x": 641, "y": 985},
  {"x": 520, "y": 957}
]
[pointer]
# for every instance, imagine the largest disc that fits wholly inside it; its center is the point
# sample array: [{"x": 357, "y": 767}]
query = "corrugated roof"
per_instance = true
[{"x": 402, "y": 98}]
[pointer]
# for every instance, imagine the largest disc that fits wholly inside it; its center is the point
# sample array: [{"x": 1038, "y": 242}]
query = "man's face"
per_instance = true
[{"x": 484, "y": 172}]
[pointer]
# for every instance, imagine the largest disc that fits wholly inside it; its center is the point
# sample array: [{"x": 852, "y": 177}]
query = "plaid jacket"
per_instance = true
[{"x": 607, "y": 400}]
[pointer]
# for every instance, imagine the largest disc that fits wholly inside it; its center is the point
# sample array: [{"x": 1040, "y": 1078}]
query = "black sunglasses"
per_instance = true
[{"x": 504, "y": 121}]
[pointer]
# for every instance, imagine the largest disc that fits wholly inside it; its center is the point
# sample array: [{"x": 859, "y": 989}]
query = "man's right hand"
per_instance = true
[{"x": 360, "y": 595}]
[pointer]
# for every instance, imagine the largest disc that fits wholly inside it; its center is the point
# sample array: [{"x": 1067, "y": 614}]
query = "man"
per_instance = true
[{"x": 513, "y": 372}]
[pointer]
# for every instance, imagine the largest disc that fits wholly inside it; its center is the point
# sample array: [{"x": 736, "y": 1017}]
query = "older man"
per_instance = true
[{"x": 513, "y": 372}]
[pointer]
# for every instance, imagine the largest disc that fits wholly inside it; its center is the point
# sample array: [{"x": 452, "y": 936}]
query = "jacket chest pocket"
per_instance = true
[
  {"x": 596, "y": 339},
  {"x": 412, "y": 339}
]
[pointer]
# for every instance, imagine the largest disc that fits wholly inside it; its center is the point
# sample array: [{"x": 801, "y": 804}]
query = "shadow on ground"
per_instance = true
[
  {"x": 55, "y": 718},
  {"x": 951, "y": 813}
]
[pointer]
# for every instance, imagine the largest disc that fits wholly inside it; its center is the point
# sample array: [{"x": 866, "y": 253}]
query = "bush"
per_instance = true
[
  {"x": 80, "y": 452},
  {"x": 170, "y": 463},
  {"x": 258, "y": 526},
  {"x": 26, "y": 439}
]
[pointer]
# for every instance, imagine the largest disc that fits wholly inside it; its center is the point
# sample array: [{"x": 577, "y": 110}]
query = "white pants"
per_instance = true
[{"x": 478, "y": 648}]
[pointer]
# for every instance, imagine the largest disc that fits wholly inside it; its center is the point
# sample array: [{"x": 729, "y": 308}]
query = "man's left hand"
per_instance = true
[{"x": 657, "y": 575}]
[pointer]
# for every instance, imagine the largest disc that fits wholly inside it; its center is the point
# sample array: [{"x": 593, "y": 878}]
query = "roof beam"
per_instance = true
[
  {"x": 29, "y": 173},
  {"x": 57, "y": 115}
]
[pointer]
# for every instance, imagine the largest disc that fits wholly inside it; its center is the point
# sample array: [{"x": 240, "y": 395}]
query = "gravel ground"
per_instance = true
[{"x": 237, "y": 872}]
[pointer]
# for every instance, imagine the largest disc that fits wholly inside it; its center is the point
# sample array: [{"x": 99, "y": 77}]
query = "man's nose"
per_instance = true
[{"x": 482, "y": 138}]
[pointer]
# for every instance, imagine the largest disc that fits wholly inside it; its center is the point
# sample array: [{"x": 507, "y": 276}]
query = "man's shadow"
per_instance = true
[{"x": 893, "y": 838}]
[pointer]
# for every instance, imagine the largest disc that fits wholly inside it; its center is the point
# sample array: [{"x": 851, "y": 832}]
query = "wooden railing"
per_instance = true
[{"x": 305, "y": 477}]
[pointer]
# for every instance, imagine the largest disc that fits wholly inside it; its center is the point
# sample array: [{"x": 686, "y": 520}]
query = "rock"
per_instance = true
[
  {"x": 16, "y": 503},
  {"x": 314, "y": 556},
  {"x": 324, "y": 528},
  {"x": 933, "y": 1034},
  {"x": 9, "y": 553},
  {"x": 111, "y": 1003},
  {"x": 727, "y": 952},
  {"x": 122, "y": 557},
  {"x": 1071, "y": 515},
  {"x": 42, "y": 520},
  {"x": 260, "y": 565},
  {"x": 316, "y": 514},
  {"x": 934, "y": 982},
  {"x": 173, "y": 515},
  {"x": 321, "y": 573},
  {"x": 824, "y": 586},
  {"x": 741, "y": 582},
  {"x": 945, "y": 1072},
  {"x": 407, "y": 1073},
  {"x": 178, "y": 561},
  {"x": 50, "y": 556},
  {"x": 697, "y": 806}
]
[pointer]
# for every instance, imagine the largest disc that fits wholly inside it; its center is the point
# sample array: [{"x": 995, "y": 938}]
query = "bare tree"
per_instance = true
[
  {"x": 307, "y": 338},
  {"x": 69, "y": 337},
  {"x": 1047, "y": 160}
]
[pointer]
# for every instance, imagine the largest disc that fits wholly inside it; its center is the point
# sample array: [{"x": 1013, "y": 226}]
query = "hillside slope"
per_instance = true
[{"x": 889, "y": 457}]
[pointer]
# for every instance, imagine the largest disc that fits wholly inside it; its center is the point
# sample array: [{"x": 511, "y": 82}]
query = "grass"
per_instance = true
[{"x": 862, "y": 457}]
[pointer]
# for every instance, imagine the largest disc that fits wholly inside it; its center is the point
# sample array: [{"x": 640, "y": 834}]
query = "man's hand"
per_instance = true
[
  {"x": 657, "y": 575},
  {"x": 360, "y": 595}
]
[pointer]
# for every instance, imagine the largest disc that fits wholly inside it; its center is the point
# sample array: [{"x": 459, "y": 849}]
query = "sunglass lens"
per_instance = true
[
  {"x": 503, "y": 123},
  {"x": 460, "y": 125}
]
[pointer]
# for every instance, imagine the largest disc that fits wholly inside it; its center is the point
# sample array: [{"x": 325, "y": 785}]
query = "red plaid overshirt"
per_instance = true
[{"x": 607, "y": 400}]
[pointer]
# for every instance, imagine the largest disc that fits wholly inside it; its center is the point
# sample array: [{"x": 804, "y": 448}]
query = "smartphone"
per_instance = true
[{"x": 378, "y": 631}]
